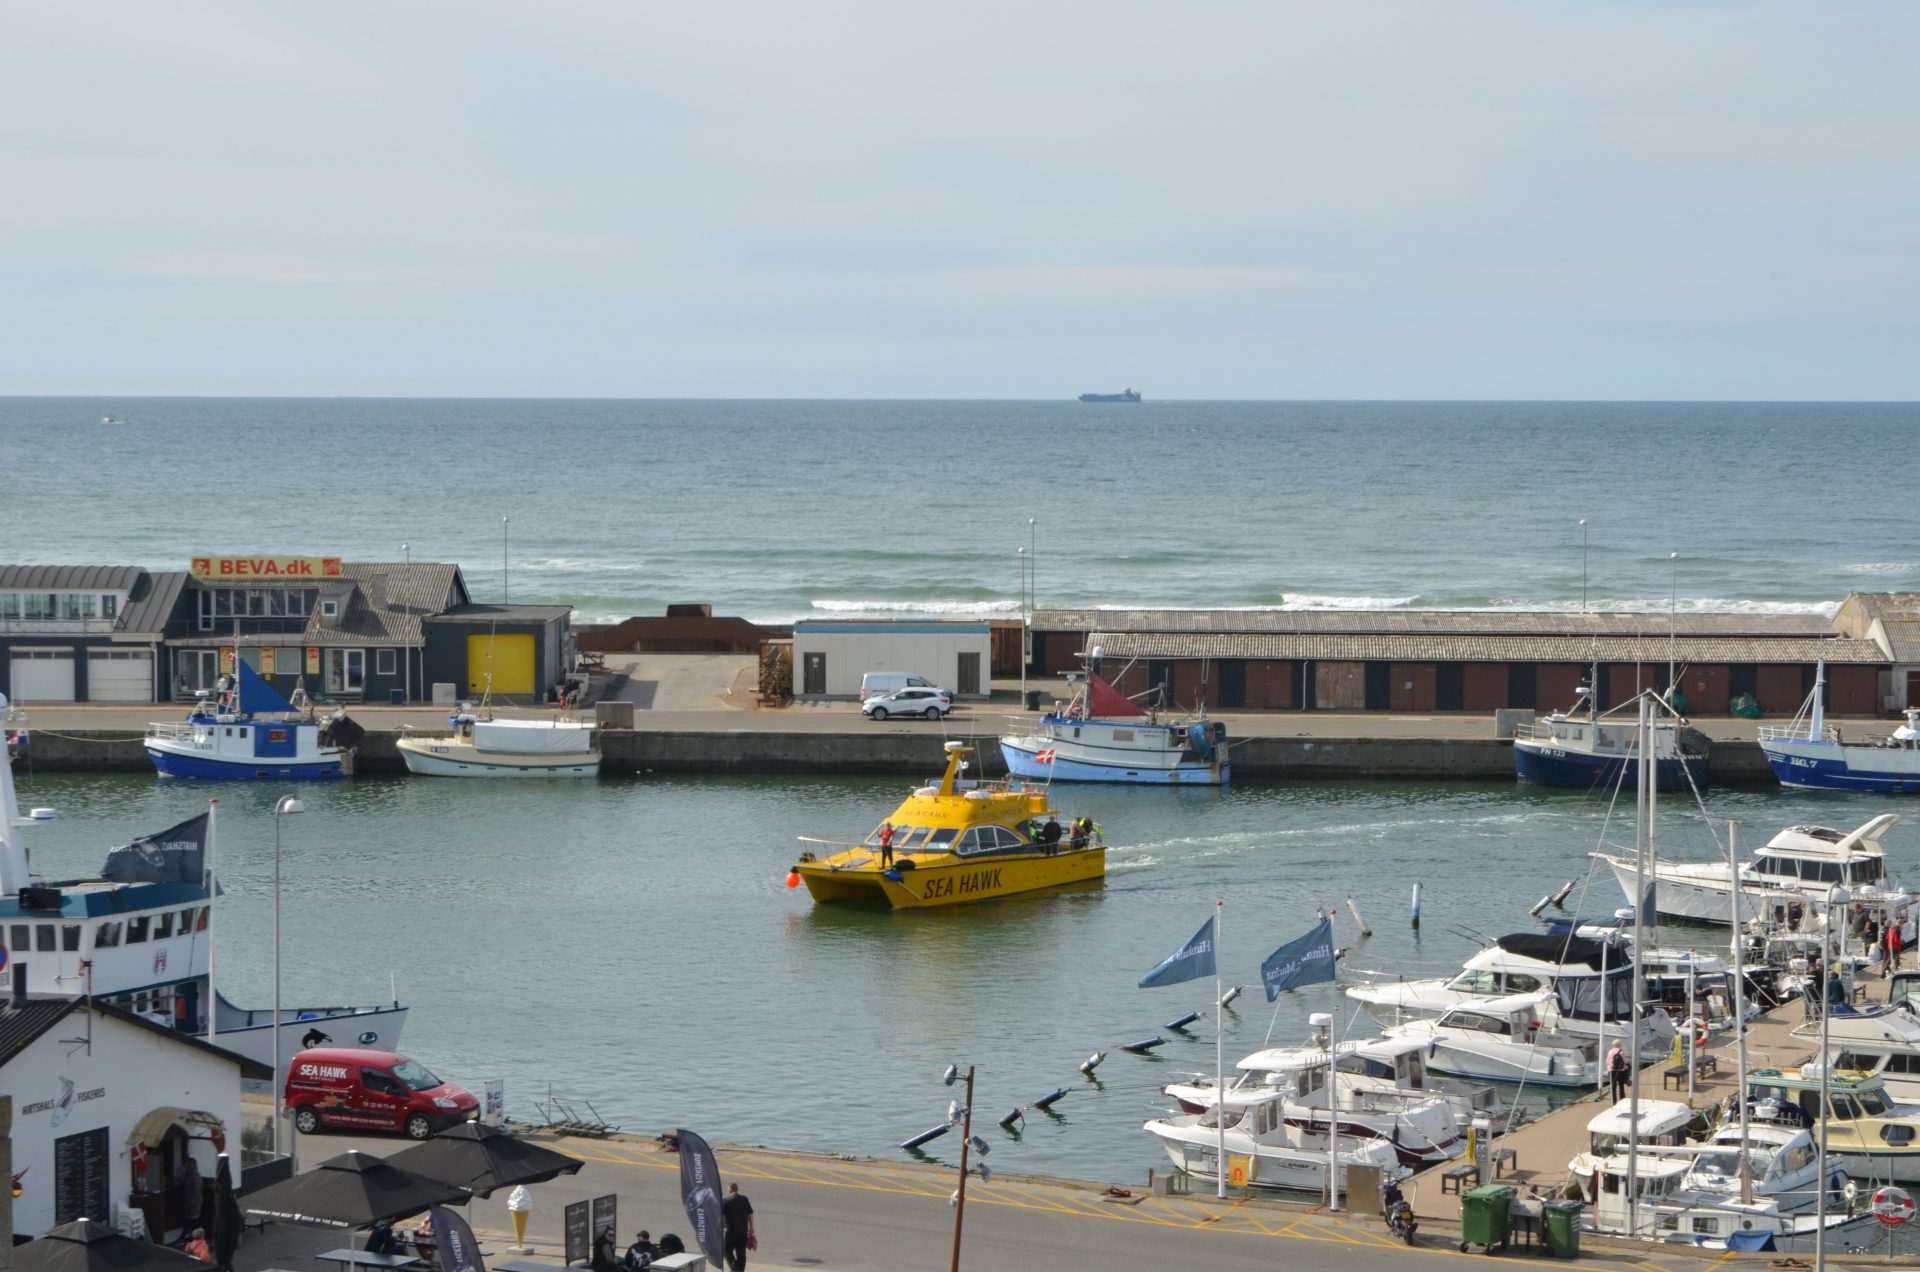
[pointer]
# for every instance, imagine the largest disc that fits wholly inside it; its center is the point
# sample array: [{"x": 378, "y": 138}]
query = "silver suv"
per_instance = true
[{"x": 911, "y": 701}]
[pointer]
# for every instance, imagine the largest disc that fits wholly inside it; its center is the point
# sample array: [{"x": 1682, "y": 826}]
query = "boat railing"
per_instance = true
[
  {"x": 174, "y": 730},
  {"x": 1797, "y": 733}
]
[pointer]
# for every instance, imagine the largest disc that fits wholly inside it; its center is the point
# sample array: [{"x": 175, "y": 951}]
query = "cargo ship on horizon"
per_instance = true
[{"x": 1128, "y": 396}]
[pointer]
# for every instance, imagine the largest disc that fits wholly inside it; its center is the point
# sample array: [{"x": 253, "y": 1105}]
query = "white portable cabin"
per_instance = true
[{"x": 831, "y": 655}]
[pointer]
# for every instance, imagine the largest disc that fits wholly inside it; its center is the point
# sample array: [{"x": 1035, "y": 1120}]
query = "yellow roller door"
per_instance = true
[{"x": 508, "y": 656}]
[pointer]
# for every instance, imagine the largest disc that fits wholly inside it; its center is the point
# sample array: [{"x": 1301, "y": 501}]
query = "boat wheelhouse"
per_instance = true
[{"x": 1502, "y": 1040}]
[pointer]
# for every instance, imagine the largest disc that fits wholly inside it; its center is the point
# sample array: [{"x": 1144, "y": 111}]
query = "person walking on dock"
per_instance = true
[
  {"x": 736, "y": 1215},
  {"x": 1619, "y": 1072}
]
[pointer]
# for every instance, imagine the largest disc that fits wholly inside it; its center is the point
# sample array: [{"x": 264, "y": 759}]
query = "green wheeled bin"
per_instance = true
[
  {"x": 1562, "y": 1228},
  {"x": 1485, "y": 1217}
]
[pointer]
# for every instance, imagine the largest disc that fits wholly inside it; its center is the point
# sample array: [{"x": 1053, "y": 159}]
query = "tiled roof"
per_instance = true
[
  {"x": 1478, "y": 648},
  {"x": 1898, "y": 614},
  {"x": 387, "y": 603},
  {"x": 152, "y": 595},
  {"x": 1432, "y": 622},
  {"x": 23, "y": 1022},
  {"x": 492, "y": 613}
]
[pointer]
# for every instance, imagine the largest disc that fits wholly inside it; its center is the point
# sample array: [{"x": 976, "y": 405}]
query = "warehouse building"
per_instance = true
[{"x": 830, "y": 656}]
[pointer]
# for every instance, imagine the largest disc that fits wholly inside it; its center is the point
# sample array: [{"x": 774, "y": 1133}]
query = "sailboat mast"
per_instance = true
[
  {"x": 212, "y": 879},
  {"x": 1643, "y": 807},
  {"x": 1739, "y": 1013}
]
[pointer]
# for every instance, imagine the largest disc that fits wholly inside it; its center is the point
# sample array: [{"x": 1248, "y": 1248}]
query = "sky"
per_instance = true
[{"x": 1274, "y": 200}]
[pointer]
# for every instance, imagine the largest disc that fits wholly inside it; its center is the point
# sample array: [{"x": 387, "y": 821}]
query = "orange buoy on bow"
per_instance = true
[{"x": 793, "y": 878}]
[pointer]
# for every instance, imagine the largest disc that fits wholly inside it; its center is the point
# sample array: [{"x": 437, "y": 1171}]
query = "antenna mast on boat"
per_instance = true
[{"x": 1673, "y": 610}]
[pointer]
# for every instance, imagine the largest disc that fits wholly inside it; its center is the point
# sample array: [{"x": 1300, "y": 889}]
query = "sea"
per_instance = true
[
  {"x": 630, "y": 943},
  {"x": 783, "y": 510}
]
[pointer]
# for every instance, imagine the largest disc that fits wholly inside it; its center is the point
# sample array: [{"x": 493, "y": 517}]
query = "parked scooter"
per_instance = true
[{"x": 1398, "y": 1212}]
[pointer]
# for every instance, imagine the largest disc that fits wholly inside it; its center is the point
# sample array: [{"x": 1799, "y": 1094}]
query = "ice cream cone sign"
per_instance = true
[{"x": 519, "y": 1204}]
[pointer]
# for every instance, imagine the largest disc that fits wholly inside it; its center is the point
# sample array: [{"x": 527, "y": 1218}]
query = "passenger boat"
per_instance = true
[
  {"x": 1502, "y": 1040},
  {"x": 1786, "y": 881},
  {"x": 1101, "y": 735},
  {"x": 1810, "y": 753},
  {"x": 1585, "y": 748},
  {"x": 1263, "y": 1149},
  {"x": 141, "y": 937},
  {"x": 255, "y": 734},
  {"x": 955, "y": 841},
  {"x": 482, "y": 747}
]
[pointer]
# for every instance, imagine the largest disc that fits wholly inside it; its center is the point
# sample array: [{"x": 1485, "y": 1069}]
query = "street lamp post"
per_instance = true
[
  {"x": 287, "y": 804},
  {"x": 1583, "y": 565},
  {"x": 1022, "y": 554},
  {"x": 960, "y": 1196},
  {"x": 503, "y": 561}
]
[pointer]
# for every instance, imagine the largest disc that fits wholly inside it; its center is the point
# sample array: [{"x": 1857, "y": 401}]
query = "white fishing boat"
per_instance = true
[
  {"x": 1101, "y": 735},
  {"x": 140, "y": 935},
  {"x": 1263, "y": 1149},
  {"x": 1503, "y": 1040},
  {"x": 477, "y": 746},
  {"x": 1783, "y": 884}
]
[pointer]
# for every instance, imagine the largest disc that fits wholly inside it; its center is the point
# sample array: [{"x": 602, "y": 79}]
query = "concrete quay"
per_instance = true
[{"x": 698, "y": 713}]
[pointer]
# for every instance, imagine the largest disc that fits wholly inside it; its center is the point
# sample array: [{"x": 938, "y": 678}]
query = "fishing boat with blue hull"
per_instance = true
[
  {"x": 141, "y": 936},
  {"x": 1585, "y": 748},
  {"x": 253, "y": 733},
  {"x": 1101, "y": 735},
  {"x": 1810, "y": 754}
]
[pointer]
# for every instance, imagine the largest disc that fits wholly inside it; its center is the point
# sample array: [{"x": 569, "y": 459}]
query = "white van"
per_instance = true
[{"x": 875, "y": 683}]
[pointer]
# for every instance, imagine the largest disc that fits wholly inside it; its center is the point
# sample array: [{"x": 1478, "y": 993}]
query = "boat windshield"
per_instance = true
[
  {"x": 1234, "y": 1112},
  {"x": 415, "y": 1075}
]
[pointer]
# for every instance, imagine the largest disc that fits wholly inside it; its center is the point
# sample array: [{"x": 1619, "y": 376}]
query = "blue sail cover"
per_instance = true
[{"x": 257, "y": 697}]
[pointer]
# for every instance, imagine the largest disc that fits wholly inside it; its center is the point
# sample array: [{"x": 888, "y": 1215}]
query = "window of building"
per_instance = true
[
  {"x": 346, "y": 670},
  {"x": 37, "y": 605},
  {"x": 109, "y": 606},
  {"x": 9, "y": 604},
  {"x": 384, "y": 662},
  {"x": 329, "y": 609}
]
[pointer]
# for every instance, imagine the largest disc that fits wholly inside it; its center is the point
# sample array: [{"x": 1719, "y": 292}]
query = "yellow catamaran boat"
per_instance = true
[{"x": 955, "y": 842}]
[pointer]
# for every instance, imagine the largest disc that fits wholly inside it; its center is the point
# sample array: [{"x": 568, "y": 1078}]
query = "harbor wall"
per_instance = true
[{"x": 768, "y": 751}]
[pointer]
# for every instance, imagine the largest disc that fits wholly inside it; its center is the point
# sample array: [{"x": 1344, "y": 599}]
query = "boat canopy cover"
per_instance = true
[
  {"x": 1104, "y": 700},
  {"x": 1562, "y": 949},
  {"x": 533, "y": 737},
  {"x": 257, "y": 697}
]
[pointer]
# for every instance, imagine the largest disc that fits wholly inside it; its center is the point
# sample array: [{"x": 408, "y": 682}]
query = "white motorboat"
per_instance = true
[
  {"x": 481, "y": 747},
  {"x": 1883, "y": 1041},
  {"x": 1810, "y": 753},
  {"x": 1423, "y": 1126},
  {"x": 140, "y": 937},
  {"x": 1782, "y": 1162},
  {"x": 1570, "y": 968},
  {"x": 1668, "y": 1210},
  {"x": 1784, "y": 883},
  {"x": 1503, "y": 1040},
  {"x": 1652, "y": 1123},
  {"x": 1263, "y": 1149},
  {"x": 1101, "y": 735}
]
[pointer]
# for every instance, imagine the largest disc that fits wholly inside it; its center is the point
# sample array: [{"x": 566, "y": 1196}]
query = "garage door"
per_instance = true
[
  {"x": 42, "y": 675},
  {"x": 508, "y": 655},
  {"x": 119, "y": 675}
]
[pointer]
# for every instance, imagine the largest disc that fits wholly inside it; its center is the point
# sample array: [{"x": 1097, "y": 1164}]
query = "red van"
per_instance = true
[{"x": 361, "y": 1090}]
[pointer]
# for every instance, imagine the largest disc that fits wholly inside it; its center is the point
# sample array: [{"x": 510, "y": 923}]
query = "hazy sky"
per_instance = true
[{"x": 1266, "y": 200}]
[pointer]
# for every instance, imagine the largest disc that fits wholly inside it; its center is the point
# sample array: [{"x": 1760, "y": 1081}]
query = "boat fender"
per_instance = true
[
  {"x": 1550, "y": 1060},
  {"x": 793, "y": 878},
  {"x": 1227, "y": 998},
  {"x": 1048, "y": 1101},
  {"x": 1183, "y": 1022},
  {"x": 892, "y": 876},
  {"x": 1092, "y": 1062},
  {"x": 904, "y": 865}
]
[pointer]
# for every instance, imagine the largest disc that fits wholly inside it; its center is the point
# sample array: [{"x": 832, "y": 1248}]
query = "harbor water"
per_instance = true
[
  {"x": 629, "y": 941},
  {"x": 784, "y": 510}
]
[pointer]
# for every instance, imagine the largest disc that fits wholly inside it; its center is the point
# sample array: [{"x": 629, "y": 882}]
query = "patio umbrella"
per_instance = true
[
  {"x": 353, "y": 1190},
  {"x": 86, "y": 1246},
  {"x": 482, "y": 1158},
  {"x": 224, "y": 1232}
]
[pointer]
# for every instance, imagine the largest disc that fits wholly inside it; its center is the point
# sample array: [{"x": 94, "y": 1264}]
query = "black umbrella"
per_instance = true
[
  {"x": 86, "y": 1246},
  {"x": 224, "y": 1233},
  {"x": 482, "y": 1158},
  {"x": 353, "y": 1190}
]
